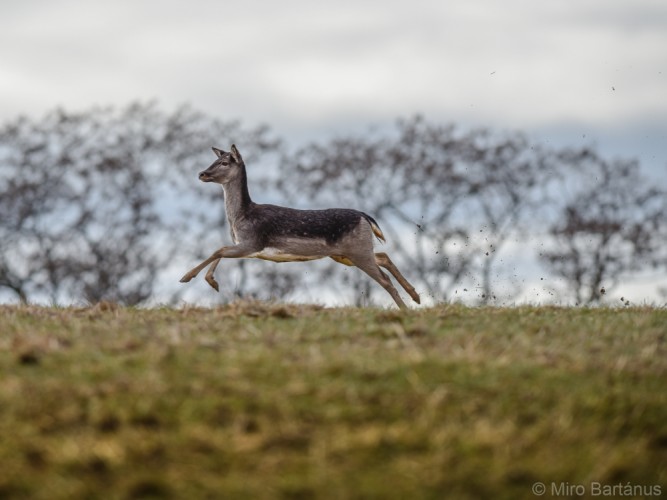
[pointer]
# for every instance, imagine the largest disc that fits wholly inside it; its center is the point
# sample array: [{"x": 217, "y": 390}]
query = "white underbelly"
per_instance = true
[{"x": 277, "y": 255}]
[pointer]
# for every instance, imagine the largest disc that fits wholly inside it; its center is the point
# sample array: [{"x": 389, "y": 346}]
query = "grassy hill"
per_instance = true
[{"x": 255, "y": 400}]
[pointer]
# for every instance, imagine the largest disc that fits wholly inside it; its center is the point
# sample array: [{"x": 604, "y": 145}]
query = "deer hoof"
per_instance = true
[{"x": 213, "y": 283}]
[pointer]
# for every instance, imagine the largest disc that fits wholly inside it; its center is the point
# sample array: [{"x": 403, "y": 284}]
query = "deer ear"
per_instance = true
[
  {"x": 236, "y": 155},
  {"x": 218, "y": 152}
]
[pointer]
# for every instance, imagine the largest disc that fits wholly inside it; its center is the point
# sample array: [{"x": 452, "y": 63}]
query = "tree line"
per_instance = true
[{"x": 103, "y": 204}]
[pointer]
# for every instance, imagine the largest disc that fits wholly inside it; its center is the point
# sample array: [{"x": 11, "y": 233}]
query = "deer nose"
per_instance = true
[{"x": 208, "y": 175}]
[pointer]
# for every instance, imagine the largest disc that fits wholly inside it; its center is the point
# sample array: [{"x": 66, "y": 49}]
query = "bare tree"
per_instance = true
[
  {"x": 614, "y": 223},
  {"x": 96, "y": 205},
  {"x": 91, "y": 201},
  {"x": 448, "y": 201}
]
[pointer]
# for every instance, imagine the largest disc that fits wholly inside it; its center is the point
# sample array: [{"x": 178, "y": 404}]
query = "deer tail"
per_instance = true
[{"x": 374, "y": 226}]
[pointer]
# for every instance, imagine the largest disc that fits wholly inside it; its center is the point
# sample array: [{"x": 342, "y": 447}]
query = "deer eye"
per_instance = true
[{"x": 225, "y": 163}]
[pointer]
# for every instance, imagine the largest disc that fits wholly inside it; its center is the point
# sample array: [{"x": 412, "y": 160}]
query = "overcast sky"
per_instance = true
[{"x": 564, "y": 71}]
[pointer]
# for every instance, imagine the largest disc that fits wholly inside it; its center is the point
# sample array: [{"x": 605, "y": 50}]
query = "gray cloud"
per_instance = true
[{"x": 307, "y": 65}]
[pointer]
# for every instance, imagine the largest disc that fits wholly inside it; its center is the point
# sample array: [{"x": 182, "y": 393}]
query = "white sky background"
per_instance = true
[
  {"x": 312, "y": 69},
  {"x": 565, "y": 72}
]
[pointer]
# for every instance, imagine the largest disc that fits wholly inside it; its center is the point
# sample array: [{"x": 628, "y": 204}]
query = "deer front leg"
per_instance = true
[
  {"x": 209, "y": 275},
  {"x": 233, "y": 252}
]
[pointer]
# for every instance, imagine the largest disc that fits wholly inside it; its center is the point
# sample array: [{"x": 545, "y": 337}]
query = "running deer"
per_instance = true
[{"x": 282, "y": 234}]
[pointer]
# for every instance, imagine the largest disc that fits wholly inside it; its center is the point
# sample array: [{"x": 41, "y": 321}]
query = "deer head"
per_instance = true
[{"x": 226, "y": 168}]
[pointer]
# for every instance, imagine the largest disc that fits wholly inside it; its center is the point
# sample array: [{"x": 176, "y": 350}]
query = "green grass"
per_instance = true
[{"x": 278, "y": 401}]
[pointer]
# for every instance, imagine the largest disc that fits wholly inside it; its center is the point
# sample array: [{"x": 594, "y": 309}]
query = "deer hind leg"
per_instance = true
[
  {"x": 370, "y": 267},
  {"x": 383, "y": 260}
]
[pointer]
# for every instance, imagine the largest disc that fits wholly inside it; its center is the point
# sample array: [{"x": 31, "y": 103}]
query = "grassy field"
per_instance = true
[{"x": 256, "y": 400}]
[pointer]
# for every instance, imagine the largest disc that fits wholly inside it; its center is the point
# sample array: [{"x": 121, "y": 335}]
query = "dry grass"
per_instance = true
[{"x": 258, "y": 400}]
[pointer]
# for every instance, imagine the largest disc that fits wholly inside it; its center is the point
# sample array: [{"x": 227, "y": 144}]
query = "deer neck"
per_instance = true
[{"x": 237, "y": 197}]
